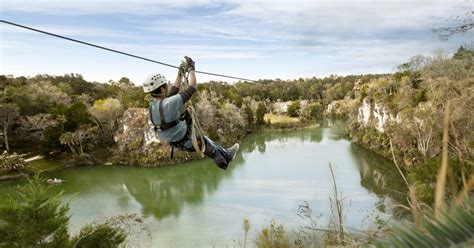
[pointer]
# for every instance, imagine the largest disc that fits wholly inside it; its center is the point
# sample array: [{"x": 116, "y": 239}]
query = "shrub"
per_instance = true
[
  {"x": 294, "y": 109},
  {"x": 260, "y": 114},
  {"x": 272, "y": 236},
  {"x": 12, "y": 162}
]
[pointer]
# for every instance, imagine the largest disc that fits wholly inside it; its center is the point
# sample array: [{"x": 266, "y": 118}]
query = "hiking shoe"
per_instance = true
[{"x": 233, "y": 150}]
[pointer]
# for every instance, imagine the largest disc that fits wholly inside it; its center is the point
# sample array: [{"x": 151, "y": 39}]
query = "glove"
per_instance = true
[
  {"x": 182, "y": 68},
  {"x": 189, "y": 64}
]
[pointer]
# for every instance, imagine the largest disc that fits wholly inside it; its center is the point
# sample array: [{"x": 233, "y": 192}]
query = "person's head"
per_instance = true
[{"x": 156, "y": 84}]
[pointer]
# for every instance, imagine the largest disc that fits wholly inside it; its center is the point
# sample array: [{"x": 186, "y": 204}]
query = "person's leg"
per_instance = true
[
  {"x": 219, "y": 154},
  {"x": 216, "y": 152}
]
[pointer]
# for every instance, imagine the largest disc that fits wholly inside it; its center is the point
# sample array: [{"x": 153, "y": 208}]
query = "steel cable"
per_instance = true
[{"x": 117, "y": 51}]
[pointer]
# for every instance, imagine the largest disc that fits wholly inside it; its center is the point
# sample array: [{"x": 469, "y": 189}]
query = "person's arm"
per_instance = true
[
  {"x": 192, "y": 79},
  {"x": 175, "y": 87}
]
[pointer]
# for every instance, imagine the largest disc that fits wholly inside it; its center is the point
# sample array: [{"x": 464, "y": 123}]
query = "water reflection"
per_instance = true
[
  {"x": 379, "y": 175},
  {"x": 161, "y": 192},
  {"x": 259, "y": 141}
]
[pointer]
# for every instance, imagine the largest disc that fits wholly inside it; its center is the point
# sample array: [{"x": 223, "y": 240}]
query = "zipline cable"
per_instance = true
[{"x": 117, "y": 51}]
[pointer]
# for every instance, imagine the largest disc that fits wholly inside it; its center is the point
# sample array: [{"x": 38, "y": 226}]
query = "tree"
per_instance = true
[
  {"x": 294, "y": 109},
  {"x": 464, "y": 53},
  {"x": 75, "y": 115},
  {"x": 249, "y": 114},
  {"x": 38, "y": 124},
  {"x": 8, "y": 113},
  {"x": 312, "y": 111},
  {"x": 231, "y": 124},
  {"x": 75, "y": 140},
  {"x": 106, "y": 113},
  {"x": 260, "y": 114},
  {"x": 128, "y": 94},
  {"x": 35, "y": 218}
]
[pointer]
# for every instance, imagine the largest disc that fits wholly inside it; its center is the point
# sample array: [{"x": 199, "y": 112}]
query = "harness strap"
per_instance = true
[
  {"x": 155, "y": 127},
  {"x": 164, "y": 125},
  {"x": 162, "y": 114}
]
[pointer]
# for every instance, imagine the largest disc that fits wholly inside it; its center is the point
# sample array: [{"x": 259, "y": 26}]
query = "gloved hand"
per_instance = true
[
  {"x": 189, "y": 64},
  {"x": 182, "y": 68}
]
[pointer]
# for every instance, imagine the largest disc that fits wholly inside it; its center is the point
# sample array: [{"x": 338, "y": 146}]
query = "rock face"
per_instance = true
[
  {"x": 373, "y": 114},
  {"x": 280, "y": 107},
  {"x": 135, "y": 129},
  {"x": 341, "y": 108}
]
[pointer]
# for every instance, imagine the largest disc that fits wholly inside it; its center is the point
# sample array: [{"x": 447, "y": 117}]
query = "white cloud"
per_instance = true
[
  {"x": 255, "y": 39},
  {"x": 72, "y": 30}
]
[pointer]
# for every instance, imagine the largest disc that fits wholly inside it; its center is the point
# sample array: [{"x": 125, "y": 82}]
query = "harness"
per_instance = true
[
  {"x": 163, "y": 125},
  {"x": 167, "y": 125}
]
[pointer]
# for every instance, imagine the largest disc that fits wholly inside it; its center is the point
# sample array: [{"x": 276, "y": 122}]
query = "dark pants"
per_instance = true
[{"x": 216, "y": 152}]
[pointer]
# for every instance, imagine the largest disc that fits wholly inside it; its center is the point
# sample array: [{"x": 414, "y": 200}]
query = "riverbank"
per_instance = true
[{"x": 160, "y": 156}]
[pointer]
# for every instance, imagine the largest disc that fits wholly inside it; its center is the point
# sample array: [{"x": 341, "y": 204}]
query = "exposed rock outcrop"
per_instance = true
[
  {"x": 134, "y": 126},
  {"x": 374, "y": 114}
]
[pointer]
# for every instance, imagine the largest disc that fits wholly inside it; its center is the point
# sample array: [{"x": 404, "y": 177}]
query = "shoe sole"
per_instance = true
[{"x": 236, "y": 150}]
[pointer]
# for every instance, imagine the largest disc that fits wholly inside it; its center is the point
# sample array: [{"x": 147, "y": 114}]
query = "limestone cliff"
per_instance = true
[
  {"x": 134, "y": 126},
  {"x": 373, "y": 114}
]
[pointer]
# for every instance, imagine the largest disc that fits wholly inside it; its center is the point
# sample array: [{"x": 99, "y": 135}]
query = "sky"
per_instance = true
[{"x": 249, "y": 39}]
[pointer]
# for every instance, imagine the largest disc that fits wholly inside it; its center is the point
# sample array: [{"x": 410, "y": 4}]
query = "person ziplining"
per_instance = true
[{"x": 177, "y": 128}]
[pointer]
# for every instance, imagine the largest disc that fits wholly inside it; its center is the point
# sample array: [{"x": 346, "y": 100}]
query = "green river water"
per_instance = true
[{"x": 198, "y": 205}]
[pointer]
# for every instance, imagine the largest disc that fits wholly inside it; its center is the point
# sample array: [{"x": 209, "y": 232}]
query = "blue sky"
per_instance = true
[{"x": 250, "y": 39}]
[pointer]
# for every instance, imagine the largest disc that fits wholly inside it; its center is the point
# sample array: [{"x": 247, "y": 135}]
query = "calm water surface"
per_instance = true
[{"x": 198, "y": 205}]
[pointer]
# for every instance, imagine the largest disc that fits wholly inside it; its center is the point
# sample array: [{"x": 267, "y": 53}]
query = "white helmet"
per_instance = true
[{"x": 154, "y": 82}]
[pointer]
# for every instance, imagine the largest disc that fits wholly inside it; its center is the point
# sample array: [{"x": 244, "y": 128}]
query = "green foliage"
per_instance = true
[
  {"x": 76, "y": 114},
  {"x": 249, "y": 114},
  {"x": 455, "y": 228},
  {"x": 463, "y": 53},
  {"x": 66, "y": 98},
  {"x": 420, "y": 97},
  {"x": 99, "y": 235},
  {"x": 330, "y": 88},
  {"x": 12, "y": 162},
  {"x": 312, "y": 111},
  {"x": 424, "y": 176},
  {"x": 260, "y": 114},
  {"x": 294, "y": 109},
  {"x": 36, "y": 220}
]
